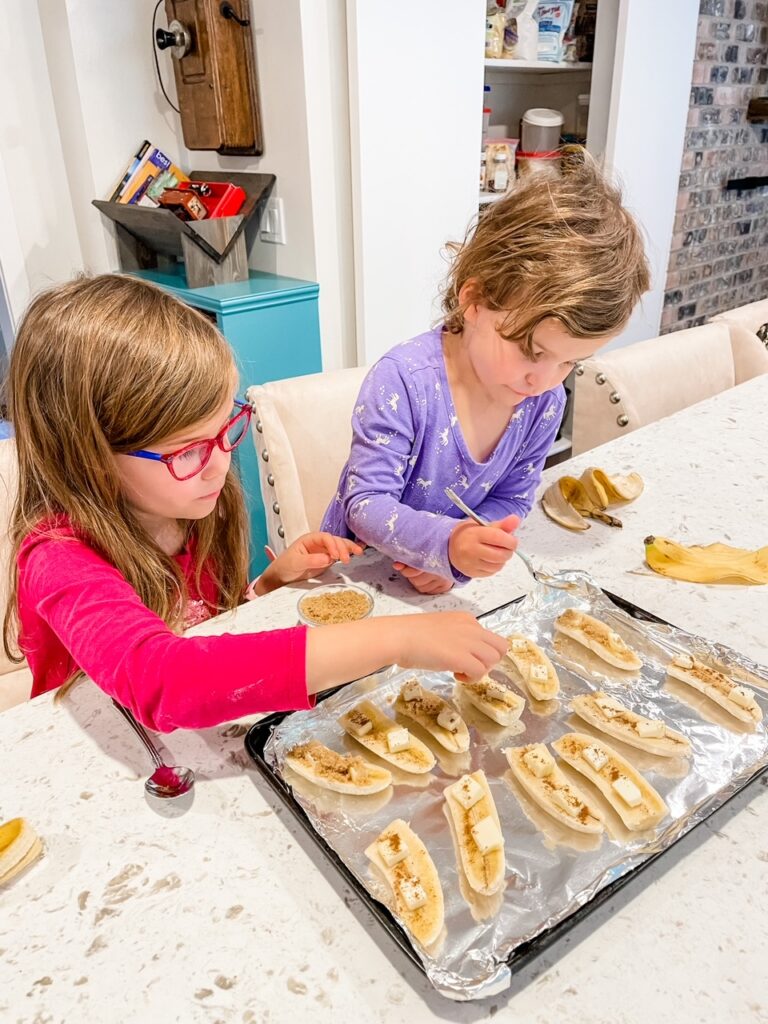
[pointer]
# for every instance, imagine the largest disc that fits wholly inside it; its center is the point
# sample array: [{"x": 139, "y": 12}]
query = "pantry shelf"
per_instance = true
[{"x": 543, "y": 66}]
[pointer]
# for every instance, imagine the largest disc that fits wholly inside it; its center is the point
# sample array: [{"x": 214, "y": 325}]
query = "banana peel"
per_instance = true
[
  {"x": 570, "y": 502},
  {"x": 710, "y": 563}
]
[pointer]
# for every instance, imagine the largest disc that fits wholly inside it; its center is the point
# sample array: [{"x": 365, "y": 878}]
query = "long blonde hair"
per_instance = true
[
  {"x": 564, "y": 248},
  {"x": 105, "y": 365}
]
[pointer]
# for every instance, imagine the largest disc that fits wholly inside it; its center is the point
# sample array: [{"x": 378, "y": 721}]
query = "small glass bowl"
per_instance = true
[{"x": 332, "y": 590}]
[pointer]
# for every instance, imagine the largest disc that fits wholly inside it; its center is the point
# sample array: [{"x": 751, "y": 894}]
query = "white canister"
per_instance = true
[{"x": 540, "y": 130}]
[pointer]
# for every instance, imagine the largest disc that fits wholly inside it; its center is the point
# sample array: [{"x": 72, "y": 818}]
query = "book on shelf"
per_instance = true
[{"x": 145, "y": 177}]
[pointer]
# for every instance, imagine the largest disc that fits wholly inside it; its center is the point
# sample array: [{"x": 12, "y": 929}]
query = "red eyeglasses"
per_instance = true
[{"x": 193, "y": 458}]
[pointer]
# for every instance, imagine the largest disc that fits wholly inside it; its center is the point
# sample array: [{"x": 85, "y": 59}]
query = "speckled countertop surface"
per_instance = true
[{"x": 218, "y": 909}]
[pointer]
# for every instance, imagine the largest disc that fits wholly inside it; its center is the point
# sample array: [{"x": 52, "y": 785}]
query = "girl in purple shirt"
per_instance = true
[{"x": 550, "y": 274}]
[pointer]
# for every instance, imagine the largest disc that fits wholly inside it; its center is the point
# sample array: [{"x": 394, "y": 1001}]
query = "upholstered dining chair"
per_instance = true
[
  {"x": 747, "y": 323},
  {"x": 628, "y": 387},
  {"x": 302, "y": 430},
  {"x": 15, "y": 679}
]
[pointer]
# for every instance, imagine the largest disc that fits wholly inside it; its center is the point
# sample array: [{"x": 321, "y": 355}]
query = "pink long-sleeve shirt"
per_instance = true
[{"x": 77, "y": 611}]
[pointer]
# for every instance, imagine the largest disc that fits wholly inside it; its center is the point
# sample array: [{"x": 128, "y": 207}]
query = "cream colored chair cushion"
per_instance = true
[
  {"x": 750, "y": 355},
  {"x": 15, "y": 679},
  {"x": 304, "y": 424},
  {"x": 628, "y": 387}
]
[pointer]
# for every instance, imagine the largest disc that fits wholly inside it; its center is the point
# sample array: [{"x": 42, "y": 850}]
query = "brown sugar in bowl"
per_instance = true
[{"x": 336, "y": 603}]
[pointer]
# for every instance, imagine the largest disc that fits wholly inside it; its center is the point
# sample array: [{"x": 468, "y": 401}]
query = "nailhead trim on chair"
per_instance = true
[
  {"x": 265, "y": 455},
  {"x": 271, "y": 480},
  {"x": 622, "y": 420},
  {"x": 580, "y": 370},
  {"x": 276, "y": 508},
  {"x": 614, "y": 397},
  {"x": 600, "y": 378},
  {"x": 280, "y": 532},
  {"x": 259, "y": 427}
]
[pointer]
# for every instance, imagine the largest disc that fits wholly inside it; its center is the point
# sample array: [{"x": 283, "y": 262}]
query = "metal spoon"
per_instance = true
[
  {"x": 166, "y": 781},
  {"x": 540, "y": 577}
]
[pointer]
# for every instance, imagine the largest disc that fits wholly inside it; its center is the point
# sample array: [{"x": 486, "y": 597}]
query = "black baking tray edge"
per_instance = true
[{"x": 255, "y": 741}]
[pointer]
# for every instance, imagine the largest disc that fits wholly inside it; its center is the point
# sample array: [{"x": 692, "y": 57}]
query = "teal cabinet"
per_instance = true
[{"x": 272, "y": 324}]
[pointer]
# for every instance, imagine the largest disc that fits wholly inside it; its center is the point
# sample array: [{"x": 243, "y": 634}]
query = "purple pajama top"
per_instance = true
[{"x": 407, "y": 447}]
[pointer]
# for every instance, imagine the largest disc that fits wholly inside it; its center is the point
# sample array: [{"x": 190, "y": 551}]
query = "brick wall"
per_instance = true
[{"x": 719, "y": 257}]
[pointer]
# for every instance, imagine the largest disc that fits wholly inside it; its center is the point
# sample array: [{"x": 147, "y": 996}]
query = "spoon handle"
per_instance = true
[{"x": 141, "y": 732}]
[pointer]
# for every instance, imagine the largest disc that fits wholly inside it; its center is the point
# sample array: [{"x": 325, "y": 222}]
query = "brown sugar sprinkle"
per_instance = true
[
  {"x": 393, "y": 841},
  {"x": 327, "y": 762},
  {"x": 333, "y": 608}
]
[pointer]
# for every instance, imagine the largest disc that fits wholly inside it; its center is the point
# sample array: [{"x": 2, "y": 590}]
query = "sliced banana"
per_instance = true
[
  {"x": 410, "y": 872},
  {"x": 439, "y": 718},
  {"x": 383, "y": 736},
  {"x": 478, "y": 831},
  {"x": 499, "y": 702},
  {"x": 736, "y": 699},
  {"x": 633, "y": 798},
  {"x": 341, "y": 773},
  {"x": 536, "y": 770},
  {"x": 534, "y": 666},
  {"x": 20, "y": 846},
  {"x": 613, "y": 718},
  {"x": 598, "y": 637}
]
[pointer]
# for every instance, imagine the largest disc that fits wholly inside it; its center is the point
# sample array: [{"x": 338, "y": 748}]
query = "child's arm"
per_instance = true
[
  {"x": 515, "y": 493},
  {"x": 308, "y": 556},
  {"x": 386, "y": 428},
  {"x": 172, "y": 682}
]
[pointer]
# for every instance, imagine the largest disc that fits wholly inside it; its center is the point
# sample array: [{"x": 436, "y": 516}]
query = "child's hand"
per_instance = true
[
  {"x": 482, "y": 550},
  {"x": 449, "y": 641},
  {"x": 424, "y": 582},
  {"x": 306, "y": 557}
]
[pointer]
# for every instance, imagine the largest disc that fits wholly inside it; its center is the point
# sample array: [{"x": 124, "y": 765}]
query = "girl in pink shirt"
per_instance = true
[{"x": 130, "y": 525}]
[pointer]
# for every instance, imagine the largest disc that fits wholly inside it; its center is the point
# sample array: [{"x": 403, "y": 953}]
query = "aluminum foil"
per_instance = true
[{"x": 551, "y": 870}]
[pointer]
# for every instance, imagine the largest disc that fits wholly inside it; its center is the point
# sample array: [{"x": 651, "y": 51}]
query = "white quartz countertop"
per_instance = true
[{"x": 218, "y": 908}]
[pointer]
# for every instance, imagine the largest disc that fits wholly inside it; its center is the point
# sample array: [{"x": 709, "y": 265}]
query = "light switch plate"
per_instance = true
[{"x": 273, "y": 222}]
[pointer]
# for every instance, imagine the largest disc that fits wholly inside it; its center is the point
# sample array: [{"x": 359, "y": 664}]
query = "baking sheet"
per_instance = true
[{"x": 552, "y": 871}]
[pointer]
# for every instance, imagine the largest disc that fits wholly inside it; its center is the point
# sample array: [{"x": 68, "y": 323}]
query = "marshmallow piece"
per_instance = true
[
  {"x": 743, "y": 697},
  {"x": 359, "y": 723},
  {"x": 412, "y": 892},
  {"x": 449, "y": 719},
  {"x": 539, "y": 761},
  {"x": 392, "y": 849},
  {"x": 486, "y": 835},
  {"x": 496, "y": 691},
  {"x": 650, "y": 728},
  {"x": 411, "y": 690},
  {"x": 683, "y": 661},
  {"x": 628, "y": 791},
  {"x": 398, "y": 739},
  {"x": 518, "y": 645},
  {"x": 467, "y": 791},
  {"x": 538, "y": 673},
  {"x": 610, "y": 707},
  {"x": 594, "y": 756}
]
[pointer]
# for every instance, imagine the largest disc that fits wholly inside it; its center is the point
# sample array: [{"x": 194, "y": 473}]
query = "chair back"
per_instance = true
[
  {"x": 750, "y": 349},
  {"x": 628, "y": 387},
  {"x": 302, "y": 428}
]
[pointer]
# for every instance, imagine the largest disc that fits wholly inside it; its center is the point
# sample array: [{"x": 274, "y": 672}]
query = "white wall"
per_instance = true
[
  {"x": 416, "y": 92},
  {"x": 107, "y": 100},
  {"x": 39, "y": 244},
  {"x": 650, "y": 92}
]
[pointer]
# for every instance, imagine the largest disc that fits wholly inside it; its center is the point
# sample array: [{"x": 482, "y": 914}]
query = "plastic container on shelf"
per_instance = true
[
  {"x": 540, "y": 130},
  {"x": 486, "y": 121},
  {"x": 547, "y": 164},
  {"x": 498, "y": 131},
  {"x": 582, "y": 114}
]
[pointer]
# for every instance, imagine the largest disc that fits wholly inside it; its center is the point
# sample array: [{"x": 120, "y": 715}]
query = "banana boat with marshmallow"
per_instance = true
[
  {"x": 633, "y": 798},
  {"x": 382, "y": 735},
  {"x": 478, "y": 832},
  {"x": 736, "y": 699},
  {"x": 439, "y": 718},
  {"x": 536, "y": 770},
  {"x": 341, "y": 773},
  {"x": 410, "y": 872},
  {"x": 534, "y": 666},
  {"x": 599, "y": 638},
  {"x": 613, "y": 718},
  {"x": 495, "y": 700}
]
